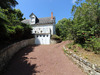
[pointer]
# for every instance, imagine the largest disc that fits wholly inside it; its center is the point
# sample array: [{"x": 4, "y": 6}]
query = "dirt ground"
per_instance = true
[
  {"x": 88, "y": 55},
  {"x": 42, "y": 60}
]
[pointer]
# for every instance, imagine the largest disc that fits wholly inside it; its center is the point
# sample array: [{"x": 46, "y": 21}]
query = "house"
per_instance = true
[{"x": 42, "y": 28}]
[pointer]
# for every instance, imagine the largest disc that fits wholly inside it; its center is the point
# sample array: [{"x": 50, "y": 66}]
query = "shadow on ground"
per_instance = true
[{"x": 19, "y": 64}]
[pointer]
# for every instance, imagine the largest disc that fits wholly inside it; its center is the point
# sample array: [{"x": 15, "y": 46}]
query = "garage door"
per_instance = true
[{"x": 42, "y": 39}]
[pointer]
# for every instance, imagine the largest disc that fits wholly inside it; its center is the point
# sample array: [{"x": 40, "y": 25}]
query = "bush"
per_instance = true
[
  {"x": 55, "y": 37},
  {"x": 95, "y": 44}
]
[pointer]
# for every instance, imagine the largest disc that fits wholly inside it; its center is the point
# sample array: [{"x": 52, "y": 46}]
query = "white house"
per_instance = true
[{"x": 42, "y": 28}]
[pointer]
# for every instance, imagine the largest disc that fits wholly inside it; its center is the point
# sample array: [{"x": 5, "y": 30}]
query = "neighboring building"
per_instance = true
[{"x": 43, "y": 28}]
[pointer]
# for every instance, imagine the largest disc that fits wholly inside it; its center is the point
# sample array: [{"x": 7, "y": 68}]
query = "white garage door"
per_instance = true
[{"x": 42, "y": 39}]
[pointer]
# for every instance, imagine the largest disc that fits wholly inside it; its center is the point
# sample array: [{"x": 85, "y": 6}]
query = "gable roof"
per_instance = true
[
  {"x": 45, "y": 20},
  {"x": 31, "y": 14}
]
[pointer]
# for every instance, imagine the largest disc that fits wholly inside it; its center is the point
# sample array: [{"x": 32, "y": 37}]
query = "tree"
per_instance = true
[
  {"x": 86, "y": 19},
  {"x": 8, "y": 3},
  {"x": 85, "y": 26},
  {"x": 3, "y": 24},
  {"x": 11, "y": 27},
  {"x": 63, "y": 28}
]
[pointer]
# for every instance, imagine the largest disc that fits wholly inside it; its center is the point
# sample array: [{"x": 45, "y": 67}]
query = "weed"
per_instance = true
[
  {"x": 69, "y": 47},
  {"x": 97, "y": 52},
  {"x": 79, "y": 45},
  {"x": 86, "y": 57},
  {"x": 65, "y": 51},
  {"x": 75, "y": 50}
]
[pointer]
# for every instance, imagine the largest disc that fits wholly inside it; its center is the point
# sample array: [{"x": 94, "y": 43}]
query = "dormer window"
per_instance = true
[{"x": 32, "y": 19}]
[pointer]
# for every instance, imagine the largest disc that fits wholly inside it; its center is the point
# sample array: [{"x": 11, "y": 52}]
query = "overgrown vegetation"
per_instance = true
[
  {"x": 57, "y": 38},
  {"x": 84, "y": 28},
  {"x": 11, "y": 28}
]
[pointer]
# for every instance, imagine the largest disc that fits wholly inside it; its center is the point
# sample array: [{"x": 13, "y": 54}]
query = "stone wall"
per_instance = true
[
  {"x": 7, "y": 53},
  {"x": 91, "y": 69}
]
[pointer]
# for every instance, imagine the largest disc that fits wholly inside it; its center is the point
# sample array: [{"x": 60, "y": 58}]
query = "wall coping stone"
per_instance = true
[{"x": 7, "y": 53}]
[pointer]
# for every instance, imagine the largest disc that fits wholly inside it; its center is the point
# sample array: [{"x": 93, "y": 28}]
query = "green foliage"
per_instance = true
[
  {"x": 11, "y": 28},
  {"x": 3, "y": 24},
  {"x": 79, "y": 45},
  {"x": 63, "y": 28},
  {"x": 70, "y": 45},
  {"x": 75, "y": 50},
  {"x": 27, "y": 31},
  {"x": 8, "y": 3},
  {"x": 87, "y": 23},
  {"x": 55, "y": 37},
  {"x": 94, "y": 43},
  {"x": 3, "y": 17},
  {"x": 85, "y": 26}
]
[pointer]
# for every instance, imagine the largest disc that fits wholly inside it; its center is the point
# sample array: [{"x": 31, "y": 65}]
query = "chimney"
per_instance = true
[{"x": 52, "y": 15}]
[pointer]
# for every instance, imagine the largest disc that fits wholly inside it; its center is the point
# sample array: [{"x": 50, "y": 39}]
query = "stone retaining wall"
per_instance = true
[
  {"x": 7, "y": 53},
  {"x": 91, "y": 69}
]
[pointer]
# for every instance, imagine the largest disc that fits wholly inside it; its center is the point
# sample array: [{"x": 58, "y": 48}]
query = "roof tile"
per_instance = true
[{"x": 45, "y": 20}]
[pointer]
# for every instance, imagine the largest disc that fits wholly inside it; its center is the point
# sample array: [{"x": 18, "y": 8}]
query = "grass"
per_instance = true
[
  {"x": 70, "y": 45},
  {"x": 85, "y": 57},
  {"x": 56, "y": 37},
  {"x": 75, "y": 50},
  {"x": 85, "y": 53}
]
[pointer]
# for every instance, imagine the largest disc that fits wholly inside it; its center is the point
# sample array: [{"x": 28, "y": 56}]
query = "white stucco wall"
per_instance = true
[
  {"x": 33, "y": 19},
  {"x": 42, "y": 39},
  {"x": 54, "y": 29},
  {"x": 45, "y": 28}
]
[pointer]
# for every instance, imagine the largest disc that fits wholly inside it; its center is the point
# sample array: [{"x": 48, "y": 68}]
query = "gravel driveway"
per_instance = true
[{"x": 42, "y": 60}]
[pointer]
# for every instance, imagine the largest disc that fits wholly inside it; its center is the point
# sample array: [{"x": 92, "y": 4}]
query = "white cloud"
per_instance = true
[{"x": 73, "y": 1}]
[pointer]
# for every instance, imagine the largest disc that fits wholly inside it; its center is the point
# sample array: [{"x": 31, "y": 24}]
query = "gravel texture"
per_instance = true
[{"x": 42, "y": 60}]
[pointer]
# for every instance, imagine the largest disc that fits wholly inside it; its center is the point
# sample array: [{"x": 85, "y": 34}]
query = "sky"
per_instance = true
[{"x": 43, "y": 8}]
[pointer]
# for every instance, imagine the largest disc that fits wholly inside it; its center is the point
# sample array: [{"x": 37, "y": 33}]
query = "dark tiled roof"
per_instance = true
[{"x": 45, "y": 20}]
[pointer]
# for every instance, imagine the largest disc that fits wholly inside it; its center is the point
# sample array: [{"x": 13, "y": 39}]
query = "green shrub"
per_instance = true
[
  {"x": 69, "y": 47},
  {"x": 75, "y": 50},
  {"x": 96, "y": 44},
  {"x": 79, "y": 45},
  {"x": 55, "y": 37}
]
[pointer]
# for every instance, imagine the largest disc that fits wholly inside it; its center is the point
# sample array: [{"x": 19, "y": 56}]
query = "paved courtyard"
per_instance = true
[{"x": 42, "y": 60}]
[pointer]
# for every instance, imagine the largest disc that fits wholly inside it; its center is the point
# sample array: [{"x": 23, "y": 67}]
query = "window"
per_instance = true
[
  {"x": 43, "y": 35},
  {"x": 32, "y": 19},
  {"x": 47, "y": 35}
]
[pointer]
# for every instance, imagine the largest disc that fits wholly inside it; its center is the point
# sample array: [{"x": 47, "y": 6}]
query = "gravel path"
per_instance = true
[{"x": 42, "y": 60}]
